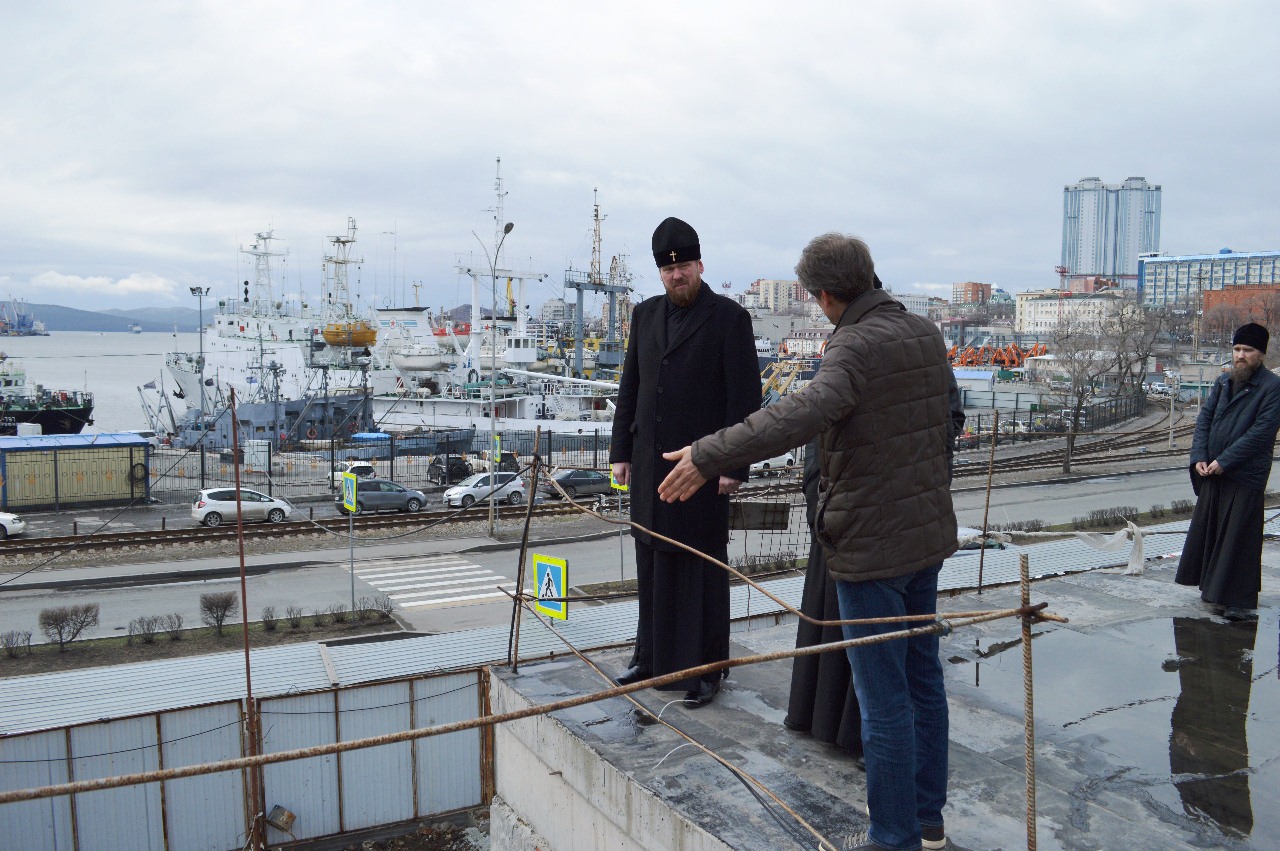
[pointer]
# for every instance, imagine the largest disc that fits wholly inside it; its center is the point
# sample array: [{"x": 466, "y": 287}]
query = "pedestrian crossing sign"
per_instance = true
[
  {"x": 349, "y": 491},
  {"x": 613, "y": 483},
  {"x": 552, "y": 578}
]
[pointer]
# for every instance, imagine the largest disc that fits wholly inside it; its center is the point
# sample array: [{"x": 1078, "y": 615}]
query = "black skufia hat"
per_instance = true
[
  {"x": 675, "y": 241},
  {"x": 1253, "y": 335}
]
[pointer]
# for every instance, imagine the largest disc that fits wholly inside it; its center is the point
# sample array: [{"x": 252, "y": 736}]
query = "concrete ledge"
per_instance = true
[{"x": 569, "y": 797}]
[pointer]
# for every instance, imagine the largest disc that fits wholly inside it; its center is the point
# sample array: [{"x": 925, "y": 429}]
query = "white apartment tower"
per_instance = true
[{"x": 1106, "y": 227}]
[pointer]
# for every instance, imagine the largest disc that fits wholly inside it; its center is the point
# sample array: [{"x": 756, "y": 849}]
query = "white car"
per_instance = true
[
  {"x": 216, "y": 506},
  {"x": 775, "y": 466},
  {"x": 509, "y": 488},
  {"x": 11, "y": 524},
  {"x": 362, "y": 469}
]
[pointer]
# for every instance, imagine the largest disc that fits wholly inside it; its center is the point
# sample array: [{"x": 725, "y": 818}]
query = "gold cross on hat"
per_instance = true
[{"x": 673, "y": 257}]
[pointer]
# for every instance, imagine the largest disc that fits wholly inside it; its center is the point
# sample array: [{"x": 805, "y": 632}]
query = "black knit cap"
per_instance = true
[
  {"x": 675, "y": 241},
  {"x": 1253, "y": 335}
]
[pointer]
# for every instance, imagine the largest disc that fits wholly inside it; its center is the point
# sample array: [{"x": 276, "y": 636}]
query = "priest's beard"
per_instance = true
[{"x": 1242, "y": 372}]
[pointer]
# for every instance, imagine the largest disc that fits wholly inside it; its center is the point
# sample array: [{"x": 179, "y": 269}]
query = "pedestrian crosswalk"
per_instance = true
[{"x": 438, "y": 580}]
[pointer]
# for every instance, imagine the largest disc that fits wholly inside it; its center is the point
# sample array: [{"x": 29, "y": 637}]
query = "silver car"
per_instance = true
[
  {"x": 507, "y": 487},
  {"x": 216, "y": 506}
]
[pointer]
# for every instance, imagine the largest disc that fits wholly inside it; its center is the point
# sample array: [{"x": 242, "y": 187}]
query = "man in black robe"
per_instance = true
[
  {"x": 690, "y": 370},
  {"x": 1230, "y": 461}
]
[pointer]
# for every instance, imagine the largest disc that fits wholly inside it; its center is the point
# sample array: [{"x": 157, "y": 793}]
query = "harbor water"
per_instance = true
[{"x": 111, "y": 366}]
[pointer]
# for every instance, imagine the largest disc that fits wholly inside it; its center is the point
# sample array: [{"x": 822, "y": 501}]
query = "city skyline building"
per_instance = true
[
  {"x": 1107, "y": 227},
  {"x": 1183, "y": 281}
]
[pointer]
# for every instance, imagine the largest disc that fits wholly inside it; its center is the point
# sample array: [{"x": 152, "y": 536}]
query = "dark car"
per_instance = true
[
  {"x": 384, "y": 495},
  {"x": 457, "y": 470},
  {"x": 576, "y": 483}
]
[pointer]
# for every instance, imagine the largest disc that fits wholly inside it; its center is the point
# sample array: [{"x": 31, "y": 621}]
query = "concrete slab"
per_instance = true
[{"x": 1157, "y": 726}]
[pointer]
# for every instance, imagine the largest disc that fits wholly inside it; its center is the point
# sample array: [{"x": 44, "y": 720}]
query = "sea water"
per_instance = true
[{"x": 110, "y": 365}]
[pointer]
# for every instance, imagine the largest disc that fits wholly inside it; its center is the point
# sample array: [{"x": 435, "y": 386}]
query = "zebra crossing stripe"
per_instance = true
[
  {"x": 459, "y": 599},
  {"x": 457, "y": 579},
  {"x": 435, "y": 571},
  {"x": 493, "y": 581}
]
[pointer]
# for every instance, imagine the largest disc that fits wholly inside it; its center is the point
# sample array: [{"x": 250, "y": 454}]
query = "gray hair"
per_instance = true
[{"x": 837, "y": 263}]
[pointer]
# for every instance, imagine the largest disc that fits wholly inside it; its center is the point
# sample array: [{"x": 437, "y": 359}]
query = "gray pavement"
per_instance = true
[{"x": 1157, "y": 726}]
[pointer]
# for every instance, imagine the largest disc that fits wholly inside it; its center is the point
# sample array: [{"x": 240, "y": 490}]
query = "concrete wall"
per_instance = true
[{"x": 554, "y": 793}]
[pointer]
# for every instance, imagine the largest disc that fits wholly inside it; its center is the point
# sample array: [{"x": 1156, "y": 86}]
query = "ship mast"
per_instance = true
[
  {"x": 258, "y": 301},
  {"x": 337, "y": 294}
]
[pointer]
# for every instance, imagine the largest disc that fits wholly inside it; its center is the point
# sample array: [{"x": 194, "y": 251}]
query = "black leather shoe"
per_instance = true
[
  {"x": 634, "y": 674},
  {"x": 702, "y": 695}
]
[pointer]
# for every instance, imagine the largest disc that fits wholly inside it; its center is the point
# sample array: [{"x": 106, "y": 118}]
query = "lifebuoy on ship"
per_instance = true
[{"x": 311, "y": 433}]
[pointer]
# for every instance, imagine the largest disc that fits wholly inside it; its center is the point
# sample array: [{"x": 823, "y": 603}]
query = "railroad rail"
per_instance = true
[{"x": 364, "y": 524}]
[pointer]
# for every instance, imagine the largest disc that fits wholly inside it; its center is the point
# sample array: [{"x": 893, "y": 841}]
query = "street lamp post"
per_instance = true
[
  {"x": 200, "y": 293},
  {"x": 493, "y": 377}
]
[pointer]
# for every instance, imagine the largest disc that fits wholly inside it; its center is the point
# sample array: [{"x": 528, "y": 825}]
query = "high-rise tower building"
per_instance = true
[{"x": 1106, "y": 227}]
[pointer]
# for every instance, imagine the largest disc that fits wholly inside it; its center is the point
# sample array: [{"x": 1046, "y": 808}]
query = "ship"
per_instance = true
[
  {"x": 135, "y": 328},
  {"x": 17, "y": 321},
  {"x": 312, "y": 368},
  {"x": 493, "y": 374},
  {"x": 53, "y": 411}
]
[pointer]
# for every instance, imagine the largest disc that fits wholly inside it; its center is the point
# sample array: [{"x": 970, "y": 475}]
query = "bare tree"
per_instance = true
[
  {"x": 15, "y": 641},
  {"x": 216, "y": 607},
  {"x": 1219, "y": 323},
  {"x": 65, "y": 623},
  {"x": 1079, "y": 354},
  {"x": 1131, "y": 334},
  {"x": 145, "y": 628}
]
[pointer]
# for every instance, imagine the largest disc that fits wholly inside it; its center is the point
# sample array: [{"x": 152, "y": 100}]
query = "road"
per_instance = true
[{"x": 448, "y": 585}]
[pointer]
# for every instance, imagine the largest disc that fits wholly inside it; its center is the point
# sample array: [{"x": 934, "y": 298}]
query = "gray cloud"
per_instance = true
[{"x": 144, "y": 142}]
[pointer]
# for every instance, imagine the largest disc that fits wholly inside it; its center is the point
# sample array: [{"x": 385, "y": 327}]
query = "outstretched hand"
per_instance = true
[{"x": 684, "y": 480}]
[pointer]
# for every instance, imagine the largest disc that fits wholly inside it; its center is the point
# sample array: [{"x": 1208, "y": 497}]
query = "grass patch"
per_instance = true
[{"x": 116, "y": 650}]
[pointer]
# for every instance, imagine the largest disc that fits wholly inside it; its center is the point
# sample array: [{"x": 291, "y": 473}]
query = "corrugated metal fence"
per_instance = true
[{"x": 329, "y": 795}]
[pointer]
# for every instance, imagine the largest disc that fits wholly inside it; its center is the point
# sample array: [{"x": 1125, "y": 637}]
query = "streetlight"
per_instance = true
[
  {"x": 493, "y": 377},
  {"x": 200, "y": 293}
]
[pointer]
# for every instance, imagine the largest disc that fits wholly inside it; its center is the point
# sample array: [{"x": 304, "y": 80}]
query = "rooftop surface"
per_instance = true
[{"x": 1157, "y": 726}]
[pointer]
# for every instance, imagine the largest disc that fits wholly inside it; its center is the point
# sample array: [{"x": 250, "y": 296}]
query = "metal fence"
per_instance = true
[
  {"x": 328, "y": 795},
  {"x": 1041, "y": 423},
  {"x": 176, "y": 475}
]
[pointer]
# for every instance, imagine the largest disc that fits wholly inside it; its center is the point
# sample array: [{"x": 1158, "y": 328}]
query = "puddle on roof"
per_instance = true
[{"x": 1175, "y": 703}]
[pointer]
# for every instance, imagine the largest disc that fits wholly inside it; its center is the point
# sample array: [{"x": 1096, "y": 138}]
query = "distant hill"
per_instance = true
[{"x": 58, "y": 318}]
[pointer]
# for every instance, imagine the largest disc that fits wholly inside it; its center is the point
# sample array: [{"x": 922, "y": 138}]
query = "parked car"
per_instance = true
[
  {"x": 508, "y": 463},
  {"x": 216, "y": 506},
  {"x": 457, "y": 470},
  {"x": 11, "y": 524},
  {"x": 775, "y": 466},
  {"x": 506, "y": 487},
  {"x": 576, "y": 483},
  {"x": 362, "y": 469},
  {"x": 384, "y": 495}
]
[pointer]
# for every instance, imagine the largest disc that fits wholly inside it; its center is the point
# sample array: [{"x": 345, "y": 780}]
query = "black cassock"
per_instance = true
[
  {"x": 689, "y": 372},
  {"x": 822, "y": 699},
  {"x": 1223, "y": 550}
]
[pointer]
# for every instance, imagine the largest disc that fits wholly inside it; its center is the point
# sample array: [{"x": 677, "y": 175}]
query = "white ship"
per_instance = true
[
  {"x": 492, "y": 375},
  {"x": 273, "y": 349}
]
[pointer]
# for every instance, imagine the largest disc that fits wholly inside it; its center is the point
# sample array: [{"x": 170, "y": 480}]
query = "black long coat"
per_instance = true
[{"x": 675, "y": 391}]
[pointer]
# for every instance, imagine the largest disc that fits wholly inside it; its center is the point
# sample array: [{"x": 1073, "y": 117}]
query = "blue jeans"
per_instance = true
[{"x": 904, "y": 707}]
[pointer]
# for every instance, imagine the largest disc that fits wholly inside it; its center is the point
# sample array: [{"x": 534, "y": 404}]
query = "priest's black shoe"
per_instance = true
[
  {"x": 634, "y": 674},
  {"x": 702, "y": 695}
]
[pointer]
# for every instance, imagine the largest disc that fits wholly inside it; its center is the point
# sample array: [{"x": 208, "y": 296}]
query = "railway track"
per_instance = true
[{"x": 364, "y": 525}]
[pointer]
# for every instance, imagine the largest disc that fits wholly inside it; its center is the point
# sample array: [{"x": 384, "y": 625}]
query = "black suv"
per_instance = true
[{"x": 457, "y": 471}]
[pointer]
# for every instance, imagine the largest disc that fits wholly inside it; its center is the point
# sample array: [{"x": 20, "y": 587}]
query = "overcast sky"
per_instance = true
[{"x": 142, "y": 143}]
